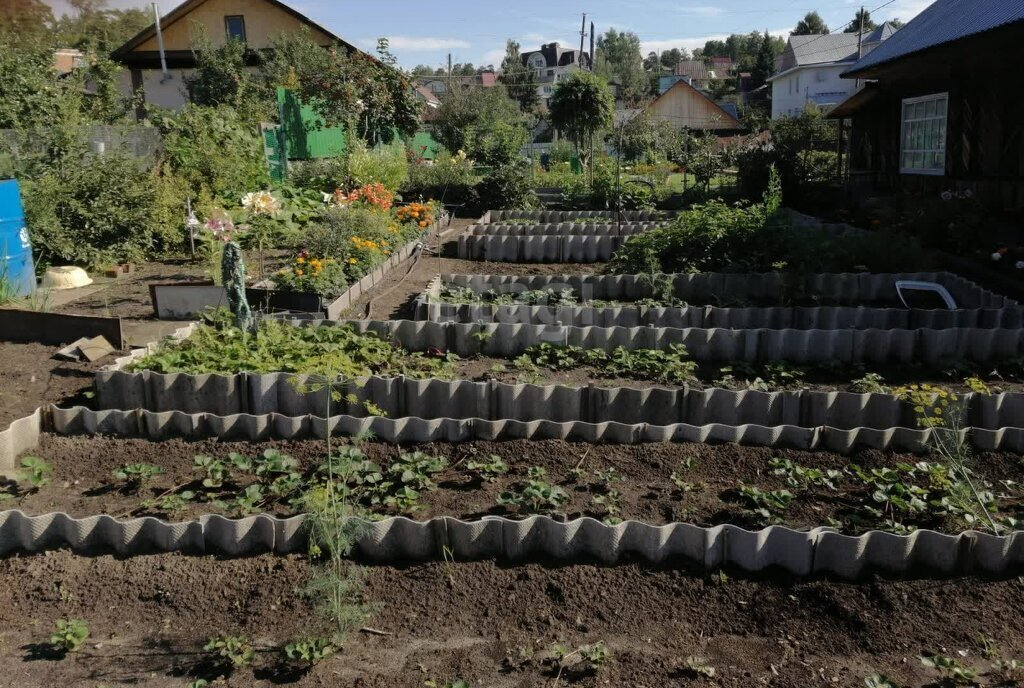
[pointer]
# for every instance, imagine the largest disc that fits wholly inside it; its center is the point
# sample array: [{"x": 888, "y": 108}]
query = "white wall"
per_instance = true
[{"x": 815, "y": 83}]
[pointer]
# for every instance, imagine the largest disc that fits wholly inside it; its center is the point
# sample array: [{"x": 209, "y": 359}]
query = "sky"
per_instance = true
[{"x": 475, "y": 31}]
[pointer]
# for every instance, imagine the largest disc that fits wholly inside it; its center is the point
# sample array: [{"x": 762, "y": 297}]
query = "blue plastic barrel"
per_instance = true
[{"x": 15, "y": 249}]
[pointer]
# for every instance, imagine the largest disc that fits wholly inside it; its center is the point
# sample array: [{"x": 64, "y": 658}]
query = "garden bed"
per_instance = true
[
  {"x": 30, "y": 376},
  {"x": 493, "y": 625},
  {"x": 562, "y": 229},
  {"x": 657, "y": 484},
  {"x": 577, "y": 216}
]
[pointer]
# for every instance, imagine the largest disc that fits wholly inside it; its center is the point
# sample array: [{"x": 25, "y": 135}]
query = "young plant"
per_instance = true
[
  {"x": 593, "y": 657},
  {"x": 215, "y": 470},
  {"x": 766, "y": 506},
  {"x": 235, "y": 649},
  {"x": 170, "y": 504},
  {"x": 489, "y": 469},
  {"x": 310, "y": 651},
  {"x": 951, "y": 669},
  {"x": 871, "y": 383},
  {"x": 699, "y": 667},
  {"x": 610, "y": 502},
  {"x": 36, "y": 472},
  {"x": 69, "y": 634},
  {"x": 136, "y": 475},
  {"x": 880, "y": 681},
  {"x": 535, "y": 495}
]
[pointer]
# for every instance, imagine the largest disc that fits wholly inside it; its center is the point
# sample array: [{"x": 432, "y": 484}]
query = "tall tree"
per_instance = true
[
  {"x": 652, "y": 62},
  {"x": 811, "y": 24},
  {"x": 467, "y": 116},
  {"x": 25, "y": 18},
  {"x": 520, "y": 81},
  {"x": 92, "y": 22},
  {"x": 670, "y": 58},
  {"x": 581, "y": 106},
  {"x": 862, "y": 21},
  {"x": 764, "y": 64},
  {"x": 619, "y": 59}
]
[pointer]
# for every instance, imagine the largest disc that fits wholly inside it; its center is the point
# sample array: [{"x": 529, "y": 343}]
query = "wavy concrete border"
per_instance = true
[
  {"x": 555, "y": 216},
  {"x": 244, "y": 427},
  {"x": 507, "y": 340},
  {"x": 401, "y": 397},
  {"x": 562, "y": 229},
  {"x": 574, "y": 248},
  {"x": 801, "y": 553},
  {"x": 851, "y": 288}
]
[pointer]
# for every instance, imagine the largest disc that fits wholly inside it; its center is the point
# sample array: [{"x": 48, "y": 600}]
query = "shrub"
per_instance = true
[
  {"x": 386, "y": 164},
  {"x": 450, "y": 179},
  {"x": 508, "y": 186},
  {"x": 93, "y": 211},
  {"x": 331, "y": 237},
  {"x": 214, "y": 150}
]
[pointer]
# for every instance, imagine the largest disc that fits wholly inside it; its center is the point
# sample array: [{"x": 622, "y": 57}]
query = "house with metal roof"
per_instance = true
[
  {"x": 942, "y": 108},
  {"x": 810, "y": 69}
]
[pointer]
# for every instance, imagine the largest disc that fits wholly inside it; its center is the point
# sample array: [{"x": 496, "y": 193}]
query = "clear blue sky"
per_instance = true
[{"x": 475, "y": 30}]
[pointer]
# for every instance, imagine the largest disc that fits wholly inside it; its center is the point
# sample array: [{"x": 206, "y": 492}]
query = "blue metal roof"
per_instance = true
[{"x": 942, "y": 22}]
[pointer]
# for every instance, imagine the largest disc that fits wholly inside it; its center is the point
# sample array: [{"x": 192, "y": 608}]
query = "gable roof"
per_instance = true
[
  {"x": 186, "y": 7},
  {"x": 694, "y": 69},
  {"x": 727, "y": 119},
  {"x": 942, "y": 22},
  {"x": 820, "y": 48}
]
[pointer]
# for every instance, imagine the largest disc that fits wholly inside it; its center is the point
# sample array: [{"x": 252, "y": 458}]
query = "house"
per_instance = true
[
  {"x": 440, "y": 86},
  {"x": 697, "y": 73},
  {"x": 255, "y": 22},
  {"x": 429, "y": 102},
  {"x": 944, "y": 109},
  {"x": 809, "y": 70},
  {"x": 67, "y": 60},
  {"x": 686, "y": 106},
  {"x": 552, "y": 63}
]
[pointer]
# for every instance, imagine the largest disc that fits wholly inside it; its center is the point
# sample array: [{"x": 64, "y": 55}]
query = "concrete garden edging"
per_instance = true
[
  {"x": 401, "y": 397},
  {"x": 800, "y": 553},
  {"x": 562, "y": 229},
  {"x": 555, "y": 216},
  {"x": 573, "y": 248}
]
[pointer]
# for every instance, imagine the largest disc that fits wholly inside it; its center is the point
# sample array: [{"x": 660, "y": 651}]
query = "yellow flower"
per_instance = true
[
  {"x": 300, "y": 260},
  {"x": 352, "y": 261},
  {"x": 298, "y": 272}
]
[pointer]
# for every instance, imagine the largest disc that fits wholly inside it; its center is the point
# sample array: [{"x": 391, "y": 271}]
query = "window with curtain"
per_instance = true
[{"x": 923, "y": 135}]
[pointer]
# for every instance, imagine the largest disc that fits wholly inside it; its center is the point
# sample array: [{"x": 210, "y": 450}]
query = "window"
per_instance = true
[
  {"x": 234, "y": 26},
  {"x": 923, "y": 135}
]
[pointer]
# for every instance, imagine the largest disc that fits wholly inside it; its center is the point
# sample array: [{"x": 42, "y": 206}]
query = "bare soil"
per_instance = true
[
  {"x": 491, "y": 625},
  {"x": 83, "y": 484},
  {"x": 392, "y": 299},
  {"x": 31, "y": 377},
  {"x": 128, "y": 296}
]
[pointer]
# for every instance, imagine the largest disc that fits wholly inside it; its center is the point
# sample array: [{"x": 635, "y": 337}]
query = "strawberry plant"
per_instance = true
[
  {"x": 489, "y": 469},
  {"x": 136, "y": 475},
  {"x": 310, "y": 651},
  {"x": 69, "y": 634},
  {"x": 235, "y": 649},
  {"x": 36, "y": 472},
  {"x": 766, "y": 506},
  {"x": 535, "y": 495}
]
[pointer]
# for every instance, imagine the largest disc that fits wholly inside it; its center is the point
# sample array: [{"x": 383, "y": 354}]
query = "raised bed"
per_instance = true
[
  {"x": 574, "y": 248},
  {"x": 555, "y": 216},
  {"x": 187, "y": 301},
  {"x": 562, "y": 229}
]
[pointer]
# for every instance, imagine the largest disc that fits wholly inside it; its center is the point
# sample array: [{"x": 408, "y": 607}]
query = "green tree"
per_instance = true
[
  {"x": 466, "y": 116},
  {"x": 221, "y": 78},
  {"x": 618, "y": 59},
  {"x": 764, "y": 63},
  {"x": 25, "y": 19},
  {"x": 520, "y": 80},
  {"x": 581, "y": 106},
  {"x": 862, "y": 21},
  {"x": 670, "y": 58},
  {"x": 811, "y": 24},
  {"x": 92, "y": 22}
]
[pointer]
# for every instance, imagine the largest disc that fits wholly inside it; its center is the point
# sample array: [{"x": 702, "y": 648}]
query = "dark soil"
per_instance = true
[
  {"x": 83, "y": 484},
  {"x": 128, "y": 296},
  {"x": 492, "y": 625},
  {"x": 31, "y": 377}
]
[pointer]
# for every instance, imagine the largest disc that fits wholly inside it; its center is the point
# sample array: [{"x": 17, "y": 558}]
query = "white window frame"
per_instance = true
[{"x": 930, "y": 171}]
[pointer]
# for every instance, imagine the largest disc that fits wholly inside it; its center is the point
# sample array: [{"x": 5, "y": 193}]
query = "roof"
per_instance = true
[
  {"x": 694, "y": 69},
  {"x": 727, "y": 118},
  {"x": 818, "y": 48},
  {"x": 189, "y": 5},
  {"x": 428, "y": 96},
  {"x": 944, "y": 21},
  {"x": 557, "y": 56}
]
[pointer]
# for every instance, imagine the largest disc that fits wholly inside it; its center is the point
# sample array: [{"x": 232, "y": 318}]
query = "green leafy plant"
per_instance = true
[
  {"x": 880, "y": 681},
  {"x": 235, "y": 649},
  {"x": 489, "y": 469},
  {"x": 610, "y": 503},
  {"x": 766, "y": 506},
  {"x": 535, "y": 495},
  {"x": 800, "y": 477},
  {"x": 215, "y": 469},
  {"x": 36, "y": 472},
  {"x": 871, "y": 383},
  {"x": 310, "y": 651},
  {"x": 951, "y": 669},
  {"x": 69, "y": 634},
  {"x": 171, "y": 504},
  {"x": 137, "y": 475}
]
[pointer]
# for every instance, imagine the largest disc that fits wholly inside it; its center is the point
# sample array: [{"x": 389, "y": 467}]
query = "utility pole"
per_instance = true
[
  {"x": 449, "y": 73},
  {"x": 592, "y": 37},
  {"x": 583, "y": 35},
  {"x": 860, "y": 39}
]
